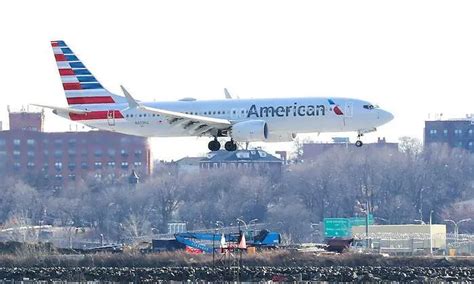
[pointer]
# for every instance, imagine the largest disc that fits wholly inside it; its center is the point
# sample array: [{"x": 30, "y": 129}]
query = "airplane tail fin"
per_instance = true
[{"x": 80, "y": 86}]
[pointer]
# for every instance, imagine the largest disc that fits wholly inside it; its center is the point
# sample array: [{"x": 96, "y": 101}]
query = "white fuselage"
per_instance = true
[{"x": 285, "y": 116}]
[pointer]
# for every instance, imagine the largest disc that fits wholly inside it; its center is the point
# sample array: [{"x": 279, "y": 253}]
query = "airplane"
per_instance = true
[{"x": 233, "y": 118}]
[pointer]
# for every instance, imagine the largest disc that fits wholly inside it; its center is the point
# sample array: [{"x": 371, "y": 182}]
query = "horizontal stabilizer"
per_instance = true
[{"x": 63, "y": 109}]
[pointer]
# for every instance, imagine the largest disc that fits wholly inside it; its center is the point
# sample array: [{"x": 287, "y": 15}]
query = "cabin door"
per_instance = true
[
  {"x": 111, "y": 117},
  {"x": 349, "y": 109}
]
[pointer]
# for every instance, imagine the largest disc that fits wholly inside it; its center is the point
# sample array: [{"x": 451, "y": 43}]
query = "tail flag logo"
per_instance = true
[{"x": 80, "y": 86}]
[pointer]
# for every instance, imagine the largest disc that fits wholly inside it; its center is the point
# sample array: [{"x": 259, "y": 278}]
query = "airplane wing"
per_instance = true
[
  {"x": 63, "y": 109},
  {"x": 196, "y": 124}
]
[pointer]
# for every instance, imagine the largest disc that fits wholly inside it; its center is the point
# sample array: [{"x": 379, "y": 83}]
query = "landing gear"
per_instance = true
[
  {"x": 359, "y": 142},
  {"x": 230, "y": 146},
  {"x": 214, "y": 145}
]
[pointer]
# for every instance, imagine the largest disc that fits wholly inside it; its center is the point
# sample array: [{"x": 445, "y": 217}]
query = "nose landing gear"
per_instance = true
[{"x": 359, "y": 143}]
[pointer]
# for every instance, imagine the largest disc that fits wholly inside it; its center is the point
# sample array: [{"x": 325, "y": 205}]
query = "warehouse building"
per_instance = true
[{"x": 406, "y": 239}]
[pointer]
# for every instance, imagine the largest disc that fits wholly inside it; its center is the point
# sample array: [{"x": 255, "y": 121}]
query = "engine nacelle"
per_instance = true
[
  {"x": 281, "y": 137},
  {"x": 249, "y": 131}
]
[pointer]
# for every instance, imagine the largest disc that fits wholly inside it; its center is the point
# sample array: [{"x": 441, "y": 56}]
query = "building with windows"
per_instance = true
[
  {"x": 457, "y": 133},
  {"x": 61, "y": 157},
  {"x": 257, "y": 161}
]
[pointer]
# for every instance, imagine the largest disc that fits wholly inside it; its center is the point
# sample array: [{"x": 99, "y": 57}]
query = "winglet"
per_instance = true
[
  {"x": 132, "y": 103},
  {"x": 227, "y": 94}
]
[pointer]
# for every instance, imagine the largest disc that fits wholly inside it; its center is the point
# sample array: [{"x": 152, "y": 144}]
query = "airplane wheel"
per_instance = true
[
  {"x": 230, "y": 146},
  {"x": 214, "y": 145},
  {"x": 359, "y": 143}
]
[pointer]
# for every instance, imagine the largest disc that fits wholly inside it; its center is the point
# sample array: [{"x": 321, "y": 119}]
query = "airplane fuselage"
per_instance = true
[{"x": 284, "y": 116}]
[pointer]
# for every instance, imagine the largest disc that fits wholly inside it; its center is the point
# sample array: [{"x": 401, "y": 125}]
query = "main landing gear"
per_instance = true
[
  {"x": 359, "y": 142},
  {"x": 214, "y": 145},
  {"x": 230, "y": 145}
]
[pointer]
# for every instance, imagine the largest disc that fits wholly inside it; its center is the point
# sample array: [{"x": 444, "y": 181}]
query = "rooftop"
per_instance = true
[{"x": 439, "y": 117}]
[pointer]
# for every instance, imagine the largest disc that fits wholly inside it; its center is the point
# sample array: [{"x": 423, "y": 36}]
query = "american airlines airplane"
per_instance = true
[{"x": 240, "y": 120}]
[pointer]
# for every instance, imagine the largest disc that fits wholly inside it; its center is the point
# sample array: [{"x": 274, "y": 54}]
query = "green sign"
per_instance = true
[
  {"x": 360, "y": 221},
  {"x": 342, "y": 227},
  {"x": 337, "y": 227}
]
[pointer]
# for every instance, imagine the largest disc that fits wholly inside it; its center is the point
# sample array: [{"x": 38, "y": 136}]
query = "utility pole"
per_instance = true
[
  {"x": 214, "y": 249},
  {"x": 367, "y": 224},
  {"x": 421, "y": 203},
  {"x": 431, "y": 233}
]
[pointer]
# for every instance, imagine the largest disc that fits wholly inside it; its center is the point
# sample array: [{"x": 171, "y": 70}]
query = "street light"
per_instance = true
[
  {"x": 220, "y": 223},
  {"x": 464, "y": 220},
  {"x": 365, "y": 209},
  {"x": 255, "y": 223},
  {"x": 456, "y": 227},
  {"x": 245, "y": 224},
  {"x": 213, "y": 241}
]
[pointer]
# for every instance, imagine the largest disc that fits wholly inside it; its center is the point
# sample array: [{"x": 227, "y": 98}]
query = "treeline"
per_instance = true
[{"x": 399, "y": 187}]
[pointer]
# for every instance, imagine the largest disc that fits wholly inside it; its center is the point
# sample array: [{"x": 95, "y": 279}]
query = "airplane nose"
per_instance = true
[{"x": 385, "y": 116}]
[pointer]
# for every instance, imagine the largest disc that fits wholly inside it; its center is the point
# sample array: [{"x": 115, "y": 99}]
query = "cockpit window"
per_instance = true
[{"x": 371, "y": 106}]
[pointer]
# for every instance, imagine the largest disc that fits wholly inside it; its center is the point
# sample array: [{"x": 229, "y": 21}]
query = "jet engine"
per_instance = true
[{"x": 249, "y": 131}]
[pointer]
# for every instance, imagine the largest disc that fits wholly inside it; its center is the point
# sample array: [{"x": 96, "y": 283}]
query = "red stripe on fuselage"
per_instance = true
[
  {"x": 101, "y": 114},
  {"x": 90, "y": 100}
]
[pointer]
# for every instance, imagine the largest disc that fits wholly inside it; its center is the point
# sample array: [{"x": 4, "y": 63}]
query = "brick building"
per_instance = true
[
  {"x": 60, "y": 157},
  {"x": 457, "y": 133}
]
